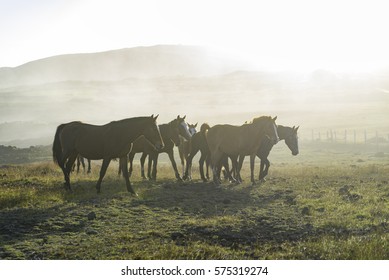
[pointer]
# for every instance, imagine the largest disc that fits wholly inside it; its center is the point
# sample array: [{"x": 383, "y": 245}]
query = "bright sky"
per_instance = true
[{"x": 277, "y": 34}]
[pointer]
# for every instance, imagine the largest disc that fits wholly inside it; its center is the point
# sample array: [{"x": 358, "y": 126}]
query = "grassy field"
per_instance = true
[{"x": 322, "y": 204}]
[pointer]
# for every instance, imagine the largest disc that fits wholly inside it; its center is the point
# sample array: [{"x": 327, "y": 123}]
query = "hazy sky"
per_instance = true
[{"x": 287, "y": 34}]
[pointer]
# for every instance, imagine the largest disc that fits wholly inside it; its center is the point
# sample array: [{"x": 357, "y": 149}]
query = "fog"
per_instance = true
[{"x": 177, "y": 80}]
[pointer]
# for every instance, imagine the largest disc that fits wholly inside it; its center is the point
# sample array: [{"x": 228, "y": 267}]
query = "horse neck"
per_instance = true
[
  {"x": 134, "y": 127},
  {"x": 282, "y": 132},
  {"x": 165, "y": 131}
]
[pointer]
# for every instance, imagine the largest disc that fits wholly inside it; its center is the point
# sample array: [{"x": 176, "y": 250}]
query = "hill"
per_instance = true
[{"x": 139, "y": 62}]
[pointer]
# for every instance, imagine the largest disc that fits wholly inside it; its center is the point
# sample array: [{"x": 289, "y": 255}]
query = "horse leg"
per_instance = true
[
  {"x": 238, "y": 168},
  {"x": 78, "y": 165},
  {"x": 201, "y": 167},
  {"x": 67, "y": 169},
  {"x": 89, "y": 168},
  {"x": 154, "y": 160},
  {"x": 252, "y": 162},
  {"x": 188, "y": 168},
  {"x": 261, "y": 169},
  {"x": 188, "y": 165},
  {"x": 82, "y": 163},
  {"x": 130, "y": 159},
  {"x": 103, "y": 170},
  {"x": 231, "y": 173},
  {"x": 267, "y": 166},
  {"x": 142, "y": 165},
  {"x": 216, "y": 159},
  {"x": 174, "y": 165},
  {"x": 124, "y": 166},
  {"x": 182, "y": 157},
  {"x": 119, "y": 169},
  {"x": 224, "y": 163}
]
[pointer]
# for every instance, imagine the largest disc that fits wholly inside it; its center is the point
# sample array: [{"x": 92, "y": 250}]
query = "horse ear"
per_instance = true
[
  {"x": 297, "y": 128},
  {"x": 274, "y": 119},
  {"x": 196, "y": 124},
  {"x": 155, "y": 118},
  {"x": 184, "y": 117},
  {"x": 152, "y": 116}
]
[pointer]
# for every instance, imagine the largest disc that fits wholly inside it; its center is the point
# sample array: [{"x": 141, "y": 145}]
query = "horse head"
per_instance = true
[
  {"x": 291, "y": 140},
  {"x": 152, "y": 133},
  {"x": 192, "y": 129},
  {"x": 269, "y": 127},
  {"x": 174, "y": 131},
  {"x": 183, "y": 128}
]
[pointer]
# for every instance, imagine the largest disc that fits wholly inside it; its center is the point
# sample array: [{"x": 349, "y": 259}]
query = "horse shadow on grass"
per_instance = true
[{"x": 228, "y": 215}]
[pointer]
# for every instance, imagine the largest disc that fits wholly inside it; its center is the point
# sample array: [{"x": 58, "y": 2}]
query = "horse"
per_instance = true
[
  {"x": 184, "y": 147},
  {"x": 81, "y": 161},
  {"x": 239, "y": 141},
  {"x": 170, "y": 133},
  {"x": 289, "y": 134},
  {"x": 106, "y": 142},
  {"x": 197, "y": 143}
]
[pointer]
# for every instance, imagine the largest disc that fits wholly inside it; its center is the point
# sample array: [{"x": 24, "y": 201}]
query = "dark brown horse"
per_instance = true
[
  {"x": 198, "y": 142},
  {"x": 239, "y": 141},
  {"x": 289, "y": 134},
  {"x": 170, "y": 133},
  {"x": 106, "y": 142}
]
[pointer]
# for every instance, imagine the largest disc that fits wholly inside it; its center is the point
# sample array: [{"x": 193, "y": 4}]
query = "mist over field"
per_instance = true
[{"x": 169, "y": 80}]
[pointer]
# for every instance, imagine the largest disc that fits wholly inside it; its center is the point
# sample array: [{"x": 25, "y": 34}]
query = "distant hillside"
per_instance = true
[{"x": 139, "y": 62}]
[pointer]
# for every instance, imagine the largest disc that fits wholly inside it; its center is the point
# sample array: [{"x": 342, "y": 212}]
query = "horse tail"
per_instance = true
[
  {"x": 204, "y": 131},
  {"x": 57, "y": 147}
]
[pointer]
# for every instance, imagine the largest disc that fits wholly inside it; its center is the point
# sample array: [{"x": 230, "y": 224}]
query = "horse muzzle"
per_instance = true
[{"x": 295, "y": 153}]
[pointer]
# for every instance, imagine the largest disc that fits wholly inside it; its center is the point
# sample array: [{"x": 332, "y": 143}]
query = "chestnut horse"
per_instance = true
[
  {"x": 239, "y": 141},
  {"x": 106, "y": 142}
]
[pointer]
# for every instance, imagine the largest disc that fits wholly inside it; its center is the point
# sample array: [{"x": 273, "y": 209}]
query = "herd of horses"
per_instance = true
[{"x": 125, "y": 138}]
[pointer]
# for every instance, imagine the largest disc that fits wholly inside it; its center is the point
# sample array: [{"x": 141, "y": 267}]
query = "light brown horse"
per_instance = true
[
  {"x": 229, "y": 140},
  {"x": 106, "y": 142}
]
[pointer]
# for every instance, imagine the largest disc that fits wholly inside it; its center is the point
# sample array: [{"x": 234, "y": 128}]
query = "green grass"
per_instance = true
[{"x": 311, "y": 207}]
